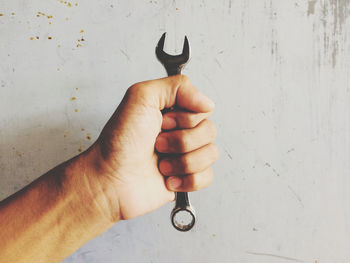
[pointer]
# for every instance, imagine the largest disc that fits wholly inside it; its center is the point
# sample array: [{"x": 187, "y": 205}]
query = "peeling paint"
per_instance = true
[
  {"x": 333, "y": 16},
  {"x": 311, "y": 7}
]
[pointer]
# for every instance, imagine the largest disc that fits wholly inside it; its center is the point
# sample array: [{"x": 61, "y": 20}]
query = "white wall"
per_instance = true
[{"x": 279, "y": 74}]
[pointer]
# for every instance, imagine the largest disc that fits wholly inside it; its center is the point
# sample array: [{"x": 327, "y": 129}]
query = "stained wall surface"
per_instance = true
[{"x": 279, "y": 74}]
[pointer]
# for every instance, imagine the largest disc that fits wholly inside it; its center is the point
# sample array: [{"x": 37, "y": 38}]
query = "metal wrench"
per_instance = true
[{"x": 183, "y": 216}]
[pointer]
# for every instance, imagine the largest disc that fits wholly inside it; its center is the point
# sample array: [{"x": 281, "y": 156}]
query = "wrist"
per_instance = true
[{"x": 93, "y": 185}]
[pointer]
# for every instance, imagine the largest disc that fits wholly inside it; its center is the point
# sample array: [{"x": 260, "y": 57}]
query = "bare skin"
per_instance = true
[{"x": 119, "y": 177}]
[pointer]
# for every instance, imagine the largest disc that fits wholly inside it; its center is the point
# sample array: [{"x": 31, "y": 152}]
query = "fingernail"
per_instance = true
[
  {"x": 174, "y": 182},
  {"x": 161, "y": 144},
  {"x": 207, "y": 101}
]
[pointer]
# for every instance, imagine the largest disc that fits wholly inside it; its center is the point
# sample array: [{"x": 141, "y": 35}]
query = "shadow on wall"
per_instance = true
[{"x": 31, "y": 147}]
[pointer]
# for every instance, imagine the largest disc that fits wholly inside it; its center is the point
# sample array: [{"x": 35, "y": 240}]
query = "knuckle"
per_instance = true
[
  {"x": 194, "y": 182},
  {"x": 192, "y": 120},
  {"x": 185, "y": 80},
  {"x": 185, "y": 163},
  {"x": 211, "y": 129},
  {"x": 214, "y": 152},
  {"x": 183, "y": 140},
  {"x": 135, "y": 87},
  {"x": 210, "y": 176},
  {"x": 138, "y": 89}
]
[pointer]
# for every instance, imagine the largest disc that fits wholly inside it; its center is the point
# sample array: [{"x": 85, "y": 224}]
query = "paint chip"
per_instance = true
[
  {"x": 75, "y": 110},
  {"x": 1, "y": 14},
  {"x": 82, "y": 31},
  {"x": 82, "y": 129},
  {"x": 13, "y": 13},
  {"x": 69, "y": 4},
  {"x": 213, "y": 235},
  {"x": 31, "y": 38},
  {"x": 73, "y": 98},
  {"x": 49, "y": 38}
]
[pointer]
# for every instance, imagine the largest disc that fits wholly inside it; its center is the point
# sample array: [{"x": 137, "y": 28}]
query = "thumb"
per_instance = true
[{"x": 172, "y": 91}]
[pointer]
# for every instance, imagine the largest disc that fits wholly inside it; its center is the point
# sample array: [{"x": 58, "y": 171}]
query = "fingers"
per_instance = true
[
  {"x": 190, "y": 183},
  {"x": 187, "y": 140},
  {"x": 168, "y": 92},
  {"x": 182, "y": 120},
  {"x": 189, "y": 163}
]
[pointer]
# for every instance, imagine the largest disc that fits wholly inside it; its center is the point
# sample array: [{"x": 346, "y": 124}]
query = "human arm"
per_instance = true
[{"x": 119, "y": 177}]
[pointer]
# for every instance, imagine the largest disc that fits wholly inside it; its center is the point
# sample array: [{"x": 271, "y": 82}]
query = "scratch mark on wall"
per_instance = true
[
  {"x": 228, "y": 154},
  {"x": 291, "y": 150},
  {"x": 273, "y": 169},
  {"x": 217, "y": 62},
  {"x": 275, "y": 256},
  {"x": 125, "y": 54},
  {"x": 296, "y": 195},
  {"x": 311, "y": 7}
]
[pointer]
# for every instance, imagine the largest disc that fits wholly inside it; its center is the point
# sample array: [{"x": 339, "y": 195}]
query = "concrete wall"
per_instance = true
[{"x": 279, "y": 74}]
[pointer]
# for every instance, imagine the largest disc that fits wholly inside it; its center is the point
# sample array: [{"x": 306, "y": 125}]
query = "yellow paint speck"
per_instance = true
[
  {"x": 82, "y": 129},
  {"x": 82, "y": 31},
  {"x": 73, "y": 98},
  {"x": 58, "y": 69},
  {"x": 76, "y": 4},
  {"x": 31, "y": 38},
  {"x": 78, "y": 45},
  {"x": 12, "y": 13},
  {"x": 1, "y": 14},
  {"x": 58, "y": 45},
  {"x": 69, "y": 4},
  {"x": 213, "y": 235},
  {"x": 75, "y": 110},
  {"x": 67, "y": 18}
]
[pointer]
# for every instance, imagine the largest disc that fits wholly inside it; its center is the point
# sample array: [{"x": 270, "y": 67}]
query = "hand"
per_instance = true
[
  {"x": 127, "y": 153},
  {"x": 141, "y": 157}
]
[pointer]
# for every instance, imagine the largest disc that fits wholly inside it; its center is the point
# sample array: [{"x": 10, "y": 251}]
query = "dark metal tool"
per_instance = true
[{"x": 183, "y": 216}]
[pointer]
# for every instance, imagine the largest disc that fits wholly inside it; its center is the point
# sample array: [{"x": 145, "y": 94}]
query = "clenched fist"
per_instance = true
[{"x": 149, "y": 155}]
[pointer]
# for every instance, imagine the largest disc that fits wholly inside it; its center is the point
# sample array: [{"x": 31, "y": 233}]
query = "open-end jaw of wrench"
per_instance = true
[{"x": 183, "y": 216}]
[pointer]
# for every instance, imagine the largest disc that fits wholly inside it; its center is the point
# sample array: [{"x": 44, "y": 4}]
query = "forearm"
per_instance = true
[{"x": 56, "y": 214}]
